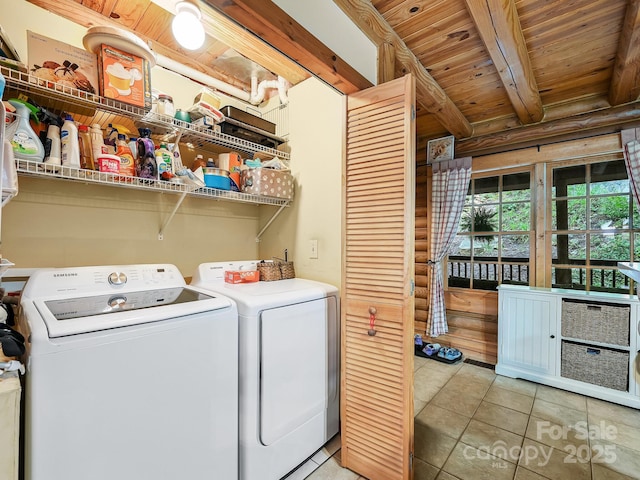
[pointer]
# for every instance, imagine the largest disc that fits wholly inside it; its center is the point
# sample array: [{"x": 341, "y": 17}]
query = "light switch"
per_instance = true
[{"x": 313, "y": 248}]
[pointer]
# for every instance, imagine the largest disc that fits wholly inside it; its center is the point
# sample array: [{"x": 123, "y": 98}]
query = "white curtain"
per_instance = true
[{"x": 449, "y": 189}]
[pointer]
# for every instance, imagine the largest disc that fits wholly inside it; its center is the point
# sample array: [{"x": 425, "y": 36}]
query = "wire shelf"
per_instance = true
[
  {"x": 59, "y": 172},
  {"x": 99, "y": 109}
]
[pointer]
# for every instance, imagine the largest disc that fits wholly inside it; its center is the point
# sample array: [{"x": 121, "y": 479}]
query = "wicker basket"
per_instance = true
[
  {"x": 287, "y": 270},
  {"x": 596, "y": 322},
  {"x": 599, "y": 366},
  {"x": 269, "y": 271}
]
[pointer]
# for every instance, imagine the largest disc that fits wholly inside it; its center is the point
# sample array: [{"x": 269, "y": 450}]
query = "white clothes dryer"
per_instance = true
[
  {"x": 289, "y": 367},
  {"x": 130, "y": 375}
]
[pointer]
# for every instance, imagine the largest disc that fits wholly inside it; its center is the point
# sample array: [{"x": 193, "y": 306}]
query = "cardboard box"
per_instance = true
[
  {"x": 58, "y": 63},
  {"x": 124, "y": 77},
  {"x": 241, "y": 276},
  {"x": 268, "y": 182},
  {"x": 208, "y": 96}
]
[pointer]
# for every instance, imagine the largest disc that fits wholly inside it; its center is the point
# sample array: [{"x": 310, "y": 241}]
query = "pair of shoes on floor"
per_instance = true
[
  {"x": 449, "y": 354},
  {"x": 431, "y": 349}
]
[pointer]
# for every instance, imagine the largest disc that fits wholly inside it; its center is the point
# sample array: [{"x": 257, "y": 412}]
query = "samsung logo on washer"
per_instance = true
[{"x": 65, "y": 275}]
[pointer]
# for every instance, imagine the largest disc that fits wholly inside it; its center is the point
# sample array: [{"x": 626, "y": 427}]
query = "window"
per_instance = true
[
  {"x": 494, "y": 243},
  {"x": 594, "y": 225}
]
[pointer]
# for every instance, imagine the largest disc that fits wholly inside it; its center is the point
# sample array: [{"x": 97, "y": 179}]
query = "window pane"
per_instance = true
[
  {"x": 460, "y": 246},
  {"x": 516, "y": 187},
  {"x": 516, "y": 217},
  {"x": 569, "y": 214},
  {"x": 569, "y": 278},
  {"x": 486, "y": 190},
  {"x": 615, "y": 247},
  {"x": 485, "y": 275},
  {"x": 515, "y": 273},
  {"x": 567, "y": 248},
  {"x": 465, "y": 219},
  {"x": 608, "y": 280},
  {"x": 485, "y": 246},
  {"x": 636, "y": 247},
  {"x": 610, "y": 212},
  {"x": 459, "y": 273},
  {"x": 609, "y": 177},
  {"x": 515, "y": 246},
  {"x": 569, "y": 181}
]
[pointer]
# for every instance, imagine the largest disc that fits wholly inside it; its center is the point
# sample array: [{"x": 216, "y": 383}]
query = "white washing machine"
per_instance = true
[
  {"x": 130, "y": 375},
  {"x": 289, "y": 367}
]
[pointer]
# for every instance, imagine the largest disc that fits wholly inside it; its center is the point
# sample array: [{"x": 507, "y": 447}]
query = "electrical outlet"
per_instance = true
[{"x": 313, "y": 248}]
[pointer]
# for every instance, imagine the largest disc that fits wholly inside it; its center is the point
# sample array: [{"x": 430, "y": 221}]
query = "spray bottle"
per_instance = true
[{"x": 25, "y": 142}]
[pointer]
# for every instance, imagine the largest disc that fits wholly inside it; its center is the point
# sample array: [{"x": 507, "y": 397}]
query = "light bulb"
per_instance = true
[{"x": 186, "y": 26}]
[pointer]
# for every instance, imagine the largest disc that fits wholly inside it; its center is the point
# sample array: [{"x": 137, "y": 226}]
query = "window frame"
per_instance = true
[
  {"x": 499, "y": 233},
  {"x": 588, "y": 229}
]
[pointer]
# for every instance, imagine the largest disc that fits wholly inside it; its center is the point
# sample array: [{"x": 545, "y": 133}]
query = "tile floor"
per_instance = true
[{"x": 472, "y": 424}]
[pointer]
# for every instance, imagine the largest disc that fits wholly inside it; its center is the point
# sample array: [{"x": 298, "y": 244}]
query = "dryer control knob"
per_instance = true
[
  {"x": 117, "y": 302},
  {"x": 117, "y": 278}
]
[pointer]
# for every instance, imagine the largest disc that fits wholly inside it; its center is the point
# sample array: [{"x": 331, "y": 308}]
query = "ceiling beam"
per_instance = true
[
  {"x": 499, "y": 28},
  {"x": 429, "y": 94},
  {"x": 625, "y": 81},
  {"x": 546, "y": 132},
  {"x": 273, "y": 25}
]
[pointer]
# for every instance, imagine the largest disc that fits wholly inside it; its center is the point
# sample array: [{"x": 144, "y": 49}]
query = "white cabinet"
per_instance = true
[
  {"x": 585, "y": 342},
  {"x": 527, "y": 333}
]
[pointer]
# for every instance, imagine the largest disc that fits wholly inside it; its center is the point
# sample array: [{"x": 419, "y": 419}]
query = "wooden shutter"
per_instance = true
[{"x": 378, "y": 270}]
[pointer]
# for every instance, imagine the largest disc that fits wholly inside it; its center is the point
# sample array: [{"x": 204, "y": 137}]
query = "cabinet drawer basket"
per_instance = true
[
  {"x": 599, "y": 366},
  {"x": 596, "y": 322}
]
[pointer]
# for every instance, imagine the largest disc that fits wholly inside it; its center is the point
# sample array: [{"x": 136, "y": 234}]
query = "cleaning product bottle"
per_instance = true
[
  {"x": 127, "y": 167},
  {"x": 146, "y": 162},
  {"x": 97, "y": 142},
  {"x": 133, "y": 146},
  {"x": 86, "y": 157},
  {"x": 70, "y": 146},
  {"x": 25, "y": 142},
  {"x": 53, "y": 140},
  {"x": 163, "y": 160}
]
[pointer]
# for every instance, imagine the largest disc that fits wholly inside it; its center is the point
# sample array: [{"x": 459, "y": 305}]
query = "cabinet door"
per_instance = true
[
  {"x": 377, "y": 370},
  {"x": 527, "y": 331}
]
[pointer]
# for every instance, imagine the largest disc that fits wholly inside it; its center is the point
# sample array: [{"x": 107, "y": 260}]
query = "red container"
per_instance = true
[{"x": 241, "y": 276}]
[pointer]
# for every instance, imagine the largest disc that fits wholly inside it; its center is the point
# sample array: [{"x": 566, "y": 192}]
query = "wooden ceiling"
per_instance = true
[{"x": 497, "y": 74}]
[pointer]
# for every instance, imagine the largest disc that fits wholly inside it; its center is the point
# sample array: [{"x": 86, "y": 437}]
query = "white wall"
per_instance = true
[
  {"x": 317, "y": 125},
  {"x": 328, "y": 23}
]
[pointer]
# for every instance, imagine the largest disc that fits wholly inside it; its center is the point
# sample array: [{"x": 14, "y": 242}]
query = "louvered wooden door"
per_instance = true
[{"x": 378, "y": 271}]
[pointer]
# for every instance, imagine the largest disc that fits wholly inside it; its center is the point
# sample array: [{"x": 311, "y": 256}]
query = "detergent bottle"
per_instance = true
[
  {"x": 127, "y": 165},
  {"x": 69, "y": 143},
  {"x": 25, "y": 142},
  {"x": 53, "y": 138},
  {"x": 146, "y": 166}
]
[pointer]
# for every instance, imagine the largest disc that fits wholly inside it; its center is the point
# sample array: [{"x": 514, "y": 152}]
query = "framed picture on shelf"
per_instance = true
[{"x": 440, "y": 149}]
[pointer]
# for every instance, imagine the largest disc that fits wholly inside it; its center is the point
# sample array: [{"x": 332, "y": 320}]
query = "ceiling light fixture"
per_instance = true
[{"x": 186, "y": 26}]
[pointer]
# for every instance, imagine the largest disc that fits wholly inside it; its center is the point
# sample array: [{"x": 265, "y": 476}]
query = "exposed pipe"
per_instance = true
[
  {"x": 257, "y": 90},
  {"x": 197, "y": 75}
]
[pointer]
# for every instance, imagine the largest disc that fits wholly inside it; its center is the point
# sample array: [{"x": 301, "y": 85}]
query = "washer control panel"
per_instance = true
[{"x": 93, "y": 280}]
